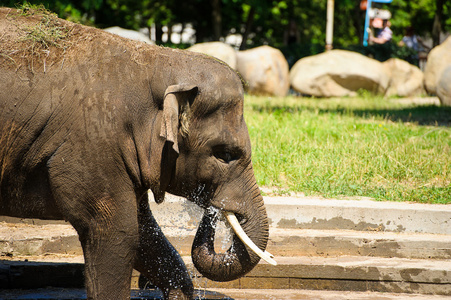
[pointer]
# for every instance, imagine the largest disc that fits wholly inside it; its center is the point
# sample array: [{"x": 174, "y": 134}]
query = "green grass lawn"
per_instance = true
[{"x": 386, "y": 149}]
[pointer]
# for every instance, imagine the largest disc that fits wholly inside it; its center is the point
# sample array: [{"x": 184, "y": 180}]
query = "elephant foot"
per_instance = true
[
  {"x": 145, "y": 284},
  {"x": 179, "y": 295}
]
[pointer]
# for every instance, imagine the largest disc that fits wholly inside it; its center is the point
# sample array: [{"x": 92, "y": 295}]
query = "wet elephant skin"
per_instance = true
[{"x": 89, "y": 125}]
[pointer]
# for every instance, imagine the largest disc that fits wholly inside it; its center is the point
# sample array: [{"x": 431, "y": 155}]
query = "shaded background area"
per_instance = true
[{"x": 297, "y": 27}]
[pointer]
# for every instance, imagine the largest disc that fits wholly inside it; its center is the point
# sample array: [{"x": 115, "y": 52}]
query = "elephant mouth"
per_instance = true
[{"x": 239, "y": 231}]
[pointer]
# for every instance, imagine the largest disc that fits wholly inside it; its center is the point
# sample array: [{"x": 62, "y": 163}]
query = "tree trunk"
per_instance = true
[
  {"x": 437, "y": 27},
  {"x": 357, "y": 18},
  {"x": 200, "y": 33},
  {"x": 169, "y": 33},
  {"x": 247, "y": 30},
  {"x": 158, "y": 33},
  {"x": 217, "y": 19}
]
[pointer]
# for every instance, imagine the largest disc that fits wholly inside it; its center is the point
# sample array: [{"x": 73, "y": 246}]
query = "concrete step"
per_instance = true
[
  {"x": 315, "y": 213},
  {"x": 326, "y": 214},
  {"x": 27, "y": 239},
  {"x": 310, "y": 242},
  {"x": 346, "y": 273},
  {"x": 330, "y": 243}
]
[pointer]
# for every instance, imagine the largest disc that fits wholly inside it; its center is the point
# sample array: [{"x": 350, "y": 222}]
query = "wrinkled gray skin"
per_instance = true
[{"x": 85, "y": 140}]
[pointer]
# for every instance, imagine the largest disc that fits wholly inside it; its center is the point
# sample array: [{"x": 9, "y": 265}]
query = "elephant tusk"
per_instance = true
[{"x": 233, "y": 221}]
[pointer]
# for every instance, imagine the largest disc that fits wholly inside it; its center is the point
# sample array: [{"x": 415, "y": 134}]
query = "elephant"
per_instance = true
[{"x": 90, "y": 122}]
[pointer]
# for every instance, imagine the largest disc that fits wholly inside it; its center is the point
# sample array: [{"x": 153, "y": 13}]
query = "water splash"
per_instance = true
[
  {"x": 180, "y": 218},
  {"x": 223, "y": 235}
]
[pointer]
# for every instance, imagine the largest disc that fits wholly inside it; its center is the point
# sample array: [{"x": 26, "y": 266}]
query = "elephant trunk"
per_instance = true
[{"x": 238, "y": 259}]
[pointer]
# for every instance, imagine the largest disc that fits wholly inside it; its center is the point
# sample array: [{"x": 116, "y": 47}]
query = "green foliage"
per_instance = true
[
  {"x": 386, "y": 51},
  {"x": 27, "y": 9},
  {"x": 418, "y": 14},
  {"x": 294, "y": 52},
  {"x": 370, "y": 147},
  {"x": 263, "y": 21}
]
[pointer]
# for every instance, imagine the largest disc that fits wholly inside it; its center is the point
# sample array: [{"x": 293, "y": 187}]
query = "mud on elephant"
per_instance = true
[{"x": 90, "y": 122}]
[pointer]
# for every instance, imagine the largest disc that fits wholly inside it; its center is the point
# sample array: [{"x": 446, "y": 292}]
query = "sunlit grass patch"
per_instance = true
[{"x": 371, "y": 147}]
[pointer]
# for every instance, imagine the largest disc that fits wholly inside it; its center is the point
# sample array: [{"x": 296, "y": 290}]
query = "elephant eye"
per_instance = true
[{"x": 225, "y": 155}]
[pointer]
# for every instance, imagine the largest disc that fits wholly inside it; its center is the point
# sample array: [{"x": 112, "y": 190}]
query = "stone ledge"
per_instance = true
[
  {"x": 344, "y": 273},
  {"x": 309, "y": 242},
  {"x": 314, "y": 213},
  {"x": 359, "y": 215},
  {"x": 24, "y": 239}
]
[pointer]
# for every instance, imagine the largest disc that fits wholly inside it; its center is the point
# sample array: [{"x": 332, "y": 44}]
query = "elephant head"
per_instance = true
[{"x": 207, "y": 159}]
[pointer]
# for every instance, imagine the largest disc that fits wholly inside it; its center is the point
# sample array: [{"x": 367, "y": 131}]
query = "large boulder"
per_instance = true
[
  {"x": 438, "y": 59},
  {"x": 338, "y": 73},
  {"x": 222, "y": 51},
  {"x": 406, "y": 80},
  {"x": 266, "y": 71},
  {"x": 444, "y": 86},
  {"x": 129, "y": 34}
]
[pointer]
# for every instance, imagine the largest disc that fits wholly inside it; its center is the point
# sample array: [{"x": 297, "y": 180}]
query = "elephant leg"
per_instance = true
[
  {"x": 109, "y": 256},
  {"x": 104, "y": 214},
  {"x": 159, "y": 261},
  {"x": 108, "y": 231}
]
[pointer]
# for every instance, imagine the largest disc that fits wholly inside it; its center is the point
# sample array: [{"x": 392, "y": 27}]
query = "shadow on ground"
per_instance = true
[
  {"x": 80, "y": 294},
  {"x": 422, "y": 115},
  {"x": 61, "y": 281},
  {"x": 430, "y": 115}
]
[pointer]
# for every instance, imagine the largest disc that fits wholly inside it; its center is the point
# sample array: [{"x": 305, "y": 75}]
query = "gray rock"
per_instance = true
[
  {"x": 444, "y": 86},
  {"x": 338, "y": 73},
  {"x": 266, "y": 71},
  {"x": 129, "y": 34},
  {"x": 406, "y": 80},
  {"x": 222, "y": 51},
  {"x": 438, "y": 59}
]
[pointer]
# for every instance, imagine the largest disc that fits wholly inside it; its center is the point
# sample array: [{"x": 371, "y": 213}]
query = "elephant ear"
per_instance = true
[{"x": 177, "y": 99}]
